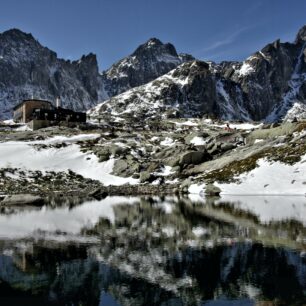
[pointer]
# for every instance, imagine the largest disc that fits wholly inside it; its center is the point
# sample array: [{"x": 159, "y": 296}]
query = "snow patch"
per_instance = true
[
  {"x": 198, "y": 141},
  {"x": 199, "y": 231},
  {"x": 167, "y": 142},
  {"x": 245, "y": 69},
  {"x": 196, "y": 188},
  {"x": 23, "y": 155},
  {"x": 271, "y": 178}
]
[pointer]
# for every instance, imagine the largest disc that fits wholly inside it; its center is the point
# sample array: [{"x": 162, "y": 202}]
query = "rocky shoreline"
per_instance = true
[{"x": 148, "y": 161}]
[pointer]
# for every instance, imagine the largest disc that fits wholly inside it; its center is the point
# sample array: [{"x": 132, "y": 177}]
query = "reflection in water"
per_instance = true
[
  {"x": 62, "y": 219},
  {"x": 152, "y": 251},
  {"x": 271, "y": 208}
]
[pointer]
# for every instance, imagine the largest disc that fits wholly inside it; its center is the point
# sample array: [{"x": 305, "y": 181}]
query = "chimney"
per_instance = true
[{"x": 58, "y": 102}]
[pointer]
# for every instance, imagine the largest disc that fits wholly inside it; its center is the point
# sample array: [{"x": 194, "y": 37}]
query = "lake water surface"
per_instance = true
[{"x": 155, "y": 251}]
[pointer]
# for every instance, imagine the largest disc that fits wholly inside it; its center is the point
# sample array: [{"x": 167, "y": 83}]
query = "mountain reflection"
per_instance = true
[{"x": 154, "y": 251}]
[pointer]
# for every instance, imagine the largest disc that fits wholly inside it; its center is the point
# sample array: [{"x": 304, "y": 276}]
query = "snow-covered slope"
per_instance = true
[
  {"x": 24, "y": 155},
  {"x": 189, "y": 90},
  {"x": 272, "y": 178}
]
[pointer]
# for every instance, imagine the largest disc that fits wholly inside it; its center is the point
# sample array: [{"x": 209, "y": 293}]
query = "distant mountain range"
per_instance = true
[{"x": 157, "y": 81}]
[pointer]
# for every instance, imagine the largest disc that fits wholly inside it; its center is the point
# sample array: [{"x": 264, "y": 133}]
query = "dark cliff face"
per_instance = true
[
  {"x": 87, "y": 71},
  {"x": 268, "y": 76},
  {"x": 29, "y": 69},
  {"x": 301, "y": 36}
]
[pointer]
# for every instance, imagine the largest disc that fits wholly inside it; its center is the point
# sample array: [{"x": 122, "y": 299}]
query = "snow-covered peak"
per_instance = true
[
  {"x": 153, "y": 42},
  {"x": 155, "y": 46},
  {"x": 266, "y": 85},
  {"x": 148, "y": 62}
]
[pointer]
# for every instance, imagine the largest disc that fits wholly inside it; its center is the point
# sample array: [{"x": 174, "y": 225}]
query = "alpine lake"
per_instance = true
[{"x": 155, "y": 251}]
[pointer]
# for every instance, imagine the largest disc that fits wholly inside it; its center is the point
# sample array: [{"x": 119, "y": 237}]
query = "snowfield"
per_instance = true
[
  {"x": 273, "y": 178},
  {"x": 198, "y": 141},
  {"x": 23, "y": 155},
  {"x": 268, "y": 178}
]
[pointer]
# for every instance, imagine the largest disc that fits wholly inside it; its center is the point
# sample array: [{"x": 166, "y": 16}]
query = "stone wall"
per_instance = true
[{"x": 38, "y": 124}]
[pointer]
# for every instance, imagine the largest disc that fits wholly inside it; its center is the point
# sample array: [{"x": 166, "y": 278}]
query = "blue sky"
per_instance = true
[{"x": 208, "y": 29}]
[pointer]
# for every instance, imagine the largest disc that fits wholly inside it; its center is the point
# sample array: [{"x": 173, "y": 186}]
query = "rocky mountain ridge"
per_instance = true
[
  {"x": 149, "y": 61},
  {"x": 155, "y": 80},
  {"x": 269, "y": 85},
  {"x": 190, "y": 90},
  {"x": 27, "y": 69}
]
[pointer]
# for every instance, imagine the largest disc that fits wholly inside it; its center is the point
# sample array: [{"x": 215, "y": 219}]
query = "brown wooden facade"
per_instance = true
[{"x": 23, "y": 112}]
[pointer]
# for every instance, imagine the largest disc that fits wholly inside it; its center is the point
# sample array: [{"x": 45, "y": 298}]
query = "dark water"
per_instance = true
[{"x": 152, "y": 251}]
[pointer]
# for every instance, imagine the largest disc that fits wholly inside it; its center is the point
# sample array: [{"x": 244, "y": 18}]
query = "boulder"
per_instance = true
[
  {"x": 125, "y": 167},
  {"x": 120, "y": 166},
  {"x": 103, "y": 153},
  {"x": 118, "y": 150},
  {"x": 185, "y": 185},
  {"x": 146, "y": 176},
  {"x": 216, "y": 148},
  {"x": 136, "y": 176},
  {"x": 99, "y": 193},
  {"x": 153, "y": 166},
  {"x": 176, "y": 169},
  {"x": 193, "y": 158},
  {"x": 209, "y": 145},
  {"x": 172, "y": 161},
  {"x": 212, "y": 190},
  {"x": 227, "y": 146},
  {"x": 22, "y": 199},
  {"x": 103, "y": 158}
]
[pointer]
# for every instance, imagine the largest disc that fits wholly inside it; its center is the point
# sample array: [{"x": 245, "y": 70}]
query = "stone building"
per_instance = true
[
  {"x": 23, "y": 112},
  {"x": 41, "y": 113}
]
